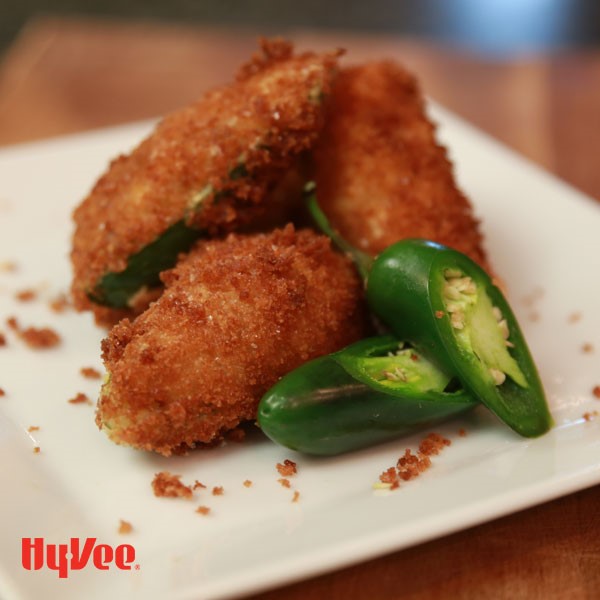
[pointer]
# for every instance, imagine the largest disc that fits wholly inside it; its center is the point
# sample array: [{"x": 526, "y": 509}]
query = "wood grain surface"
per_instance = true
[{"x": 64, "y": 76}]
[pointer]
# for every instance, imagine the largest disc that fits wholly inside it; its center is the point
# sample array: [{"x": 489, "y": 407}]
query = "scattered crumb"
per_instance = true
[
  {"x": 197, "y": 485},
  {"x": 35, "y": 337},
  {"x": 433, "y": 444},
  {"x": 125, "y": 527},
  {"x": 90, "y": 373},
  {"x": 414, "y": 357},
  {"x": 296, "y": 496},
  {"x": 287, "y": 469},
  {"x": 203, "y": 510},
  {"x": 462, "y": 433},
  {"x": 217, "y": 490},
  {"x": 574, "y": 317},
  {"x": 588, "y": 416},
  {"x": 59, "y": 304},
  {"x": 166, "y": 485},
  {"x": 439, "y": 314},
  {"x": 247, "y": 483},
  {"x": 587, "y": 348},
  {"x": 36, "y": 450},
  {"x": 535, "y": 295},
  {"x": 411, "y": 465},
  {"x": 8, "y": 266},
  {"x": 2, "y": 339},
  {"x": 236, "y": 435},
  {"x": 2, "y": 392},
  {"x": 596, "y": 391},
  {"x": 80, "y": 398},
  {"x": 26, "y": 295},
  {"x": 33, "y": 428},
  {"x": 284, "y": 482}
]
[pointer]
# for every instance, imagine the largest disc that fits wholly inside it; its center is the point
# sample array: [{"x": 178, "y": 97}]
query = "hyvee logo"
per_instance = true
[{"x": 35, "y": 553}]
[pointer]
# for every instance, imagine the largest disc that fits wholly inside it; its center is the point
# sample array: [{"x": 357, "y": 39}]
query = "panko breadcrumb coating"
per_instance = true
[
  {"x": 381, "y": 176},
  {"x": 237, "y": 314},
  {"x": 212, "y": 163}
]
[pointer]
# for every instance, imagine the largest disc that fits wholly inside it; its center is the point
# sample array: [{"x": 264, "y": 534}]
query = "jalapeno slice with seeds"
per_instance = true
[{"x": 370, "y": 392}]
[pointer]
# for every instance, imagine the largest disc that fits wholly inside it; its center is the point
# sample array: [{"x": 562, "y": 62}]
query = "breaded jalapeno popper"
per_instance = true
[
  {"x": 207, "y": 169},
  {"x": 236, "y": 315},
  {"x": 381, "y": 176}
]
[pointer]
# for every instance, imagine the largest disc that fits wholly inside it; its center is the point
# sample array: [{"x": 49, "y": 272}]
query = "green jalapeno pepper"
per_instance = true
[
  {"x": 371, "y": 391},
  {"x": 449, "y": 308},
  {"x": 444, "y": 304}
]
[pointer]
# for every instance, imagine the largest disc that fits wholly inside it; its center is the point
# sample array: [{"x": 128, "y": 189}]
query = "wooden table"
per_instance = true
[{"x": 65, "y": 76}]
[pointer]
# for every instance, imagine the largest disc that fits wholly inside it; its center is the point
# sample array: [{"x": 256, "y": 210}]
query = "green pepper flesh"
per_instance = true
[
  {"x": 338, "y": 403},
  {"x": 406, "y": 289},
  {"x": 116, "y": 289}
]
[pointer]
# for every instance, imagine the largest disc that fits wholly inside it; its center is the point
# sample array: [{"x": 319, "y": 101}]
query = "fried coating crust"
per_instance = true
[
  {"x": 381, "y": 176},
  {"x": 225, "y": 152},
  {"x": 236, "y": 315}
]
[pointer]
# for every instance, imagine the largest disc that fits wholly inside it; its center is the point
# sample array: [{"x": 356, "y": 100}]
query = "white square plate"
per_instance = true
[{"x": 543, "y": 239}]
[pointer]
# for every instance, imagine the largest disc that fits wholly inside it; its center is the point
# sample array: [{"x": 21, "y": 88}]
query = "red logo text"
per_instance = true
[{"x": 35, "y": 553}]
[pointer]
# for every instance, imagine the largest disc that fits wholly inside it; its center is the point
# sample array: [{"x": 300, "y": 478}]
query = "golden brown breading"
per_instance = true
[
  {"x": 225, "y": 152},
  {"x": 381, "y": 176},
  {"x": 236, "y": 315}
]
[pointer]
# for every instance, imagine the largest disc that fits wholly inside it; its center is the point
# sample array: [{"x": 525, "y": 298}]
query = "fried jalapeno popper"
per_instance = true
[
  {"x": 206, "y": 170},
  {"x": 381, "y": 176},
  {"x": 236, "y": 315}
]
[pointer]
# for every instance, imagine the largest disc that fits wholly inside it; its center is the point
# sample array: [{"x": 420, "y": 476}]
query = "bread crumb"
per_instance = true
[
  {"x": 588, "y": 416},
  {"x": 26, "y": 295},
  {"x": 8, "y": 266},
  {"x": 439, "y": 314},
  {"x": 296, "y": 496},
  {"x": 203, "y": 510},
  {"x": 433, "y": 444},
  {"x": 2, "y": 339},
  {"x": 33, "y": 428},
  {"x": 596, "y": 391},
  {"x": 288, "y": 468},
  {"x": 217, "y": 490},
  {"x": 574, "y": 317},
  {"x": 411, "y": 465},
  {"x": 236, "y": 435},
  {"x": 166, "y": 485},
  {"x": 534, "y": 296},
  {"x": 36, "y": 450},
  {"x": 587, "y": 348},
  {"x": 59, "y": 304},
  {"x": 247, "y": 483},
  {"x": 125, "y": 527},
  {"x": 197, "y": 485},
  {"x": 284, "y": 482},
  {"x": 35, "y": 337},
  {"x": 2, "y": 392},
  {"x": 80, "y": 398},
  {"x": 462, "y": 433},
  {"x": 90, "y": 373}
]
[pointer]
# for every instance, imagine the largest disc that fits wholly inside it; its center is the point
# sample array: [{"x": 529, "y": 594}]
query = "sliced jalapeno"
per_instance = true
[
  {"x": 371, "y": 391},
  {"x": 449, "y": 308}
]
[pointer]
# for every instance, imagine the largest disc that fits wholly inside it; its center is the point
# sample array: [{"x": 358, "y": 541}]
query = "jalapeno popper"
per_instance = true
[
  {"x": 236, "y": 315},
  {"x": 206, "y": 170},
  {"x": 381, "y": 175}
]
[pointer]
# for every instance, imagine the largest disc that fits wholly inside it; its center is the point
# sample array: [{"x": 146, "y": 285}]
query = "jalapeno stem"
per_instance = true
[{"x": 361, "y": 260}]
